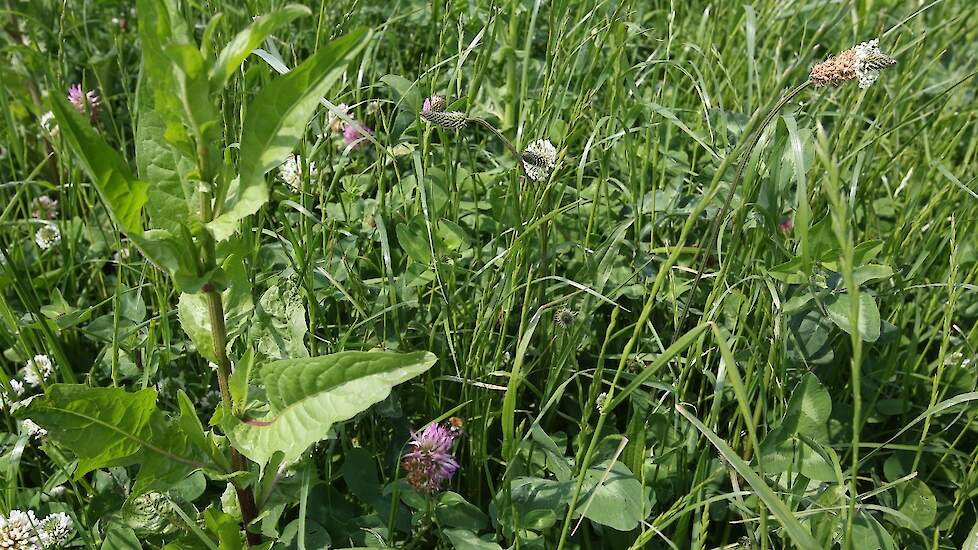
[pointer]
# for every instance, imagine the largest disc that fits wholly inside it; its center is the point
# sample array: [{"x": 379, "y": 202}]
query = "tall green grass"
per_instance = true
[{"x": 427, "y": 239}]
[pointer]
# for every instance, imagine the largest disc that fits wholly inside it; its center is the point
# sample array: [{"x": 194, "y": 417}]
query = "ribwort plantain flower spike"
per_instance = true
[
  {"x": 565, "y": 317},
  {"x": 862, "y": 63},
  {"x": 430, "y": 464},
  {"x": 449, "y": 120}
]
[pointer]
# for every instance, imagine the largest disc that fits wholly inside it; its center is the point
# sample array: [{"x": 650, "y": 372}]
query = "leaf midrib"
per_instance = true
[{"x": 139, "y": 440}]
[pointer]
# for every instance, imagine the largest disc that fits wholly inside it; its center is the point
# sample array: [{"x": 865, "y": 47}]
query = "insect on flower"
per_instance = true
[{"x": 862, "y": 63}]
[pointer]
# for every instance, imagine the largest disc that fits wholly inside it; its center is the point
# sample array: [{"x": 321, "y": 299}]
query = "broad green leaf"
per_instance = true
[
  {"x": 467, "y": 540},
  {"x": 307, "y": 396},
  {"x": 971, "y": 543},
  {"x": 172, "y": 255},
  {"x": 793, "y": 444},
  {"x": 803, "y": 455},
  {"x": 808, "y": 340},
  {"x": 120, "y": 537},
  {"x": 614, "y": 498},
  {"x": 541, "y": 442},
  {"x": 225, "y": 527},
  {"x": 194, "y": 430},
  {"x": 413, "y": 238},
  {"x": 239, "y": 380},
  {"x": 195, "y": 320},
  {"x": 537, "y": 501},
  {"x": 917, "y": 502},
  {"x": 158, "y": 87},
  {"x": 281, "y": 324},
  {"x": 408, "y": 93},
  {"x": 112, "y": 427},
  {"x": 197, "y": 111},
  {"x": 247, "y": 40},
  {"x": 172, "y": 198},
  {"x": 452, "y": 510},
  {"x": 872, "y": 272},
  {"x": 869, "y": 315},
  {"x": 826, "y": 522},
  {"x": 868, "y": 534},
  {"x": 276, "y": 119},
  {"x": 808, "y": 408},
  {"x": 123, "y": 194}
]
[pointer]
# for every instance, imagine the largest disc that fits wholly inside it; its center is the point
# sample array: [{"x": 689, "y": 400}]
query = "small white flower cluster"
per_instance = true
[
  {"x": 47, "y": 236},
  {"x": 55, "y": 529},
  {"x": 291, "y": 172},
  {"x": 333, "y": 120},
  {"x": 18, "y": 388},
  {"x": 45, "y": 208},
  {"x": 38, "y": 370},
  {"x": 21, "y": 530},
  {"x": 539, "y": 159},
  {"x": 122, "y": 255},
  {"x": 869, "y": 61},
  {"x": 49, "y": 124},
  {"x": 32, "y": 429}
]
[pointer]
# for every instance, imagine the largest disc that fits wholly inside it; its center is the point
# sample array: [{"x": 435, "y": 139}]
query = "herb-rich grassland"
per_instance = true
[{"x": 482, "y": 274}]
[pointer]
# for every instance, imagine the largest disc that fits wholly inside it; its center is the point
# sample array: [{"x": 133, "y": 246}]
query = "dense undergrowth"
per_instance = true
[{"x": 290, "y": 287}]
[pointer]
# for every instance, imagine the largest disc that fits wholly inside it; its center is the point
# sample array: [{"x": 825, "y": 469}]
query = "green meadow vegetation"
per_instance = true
[{"x": 489, "y": 274}]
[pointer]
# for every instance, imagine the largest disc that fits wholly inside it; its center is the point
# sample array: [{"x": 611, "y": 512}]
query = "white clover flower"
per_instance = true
[
  {"x": 601, "y": 401},
  {"x": 54, "y": 493},
  {"x": 539, "y": 159},
  {"x": 291, "y": 172},
  {"x": 869, "y": 62},
  {"x": 18, "y": 388},
  {"x": 373, "y": 107},
  {"x": 122, "y": 255},
  {"x": 17, "y": 531},
  {"x": 38, "y": 370},
  {"x": 49, "y": 124},
  {"x": 32, "y": 430},
  {"x": 47, "y": 236},
  {"x": 333, "y": 121},
  {"x": 45, "y": 208},
  {"x": 55, "y": 529}
]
